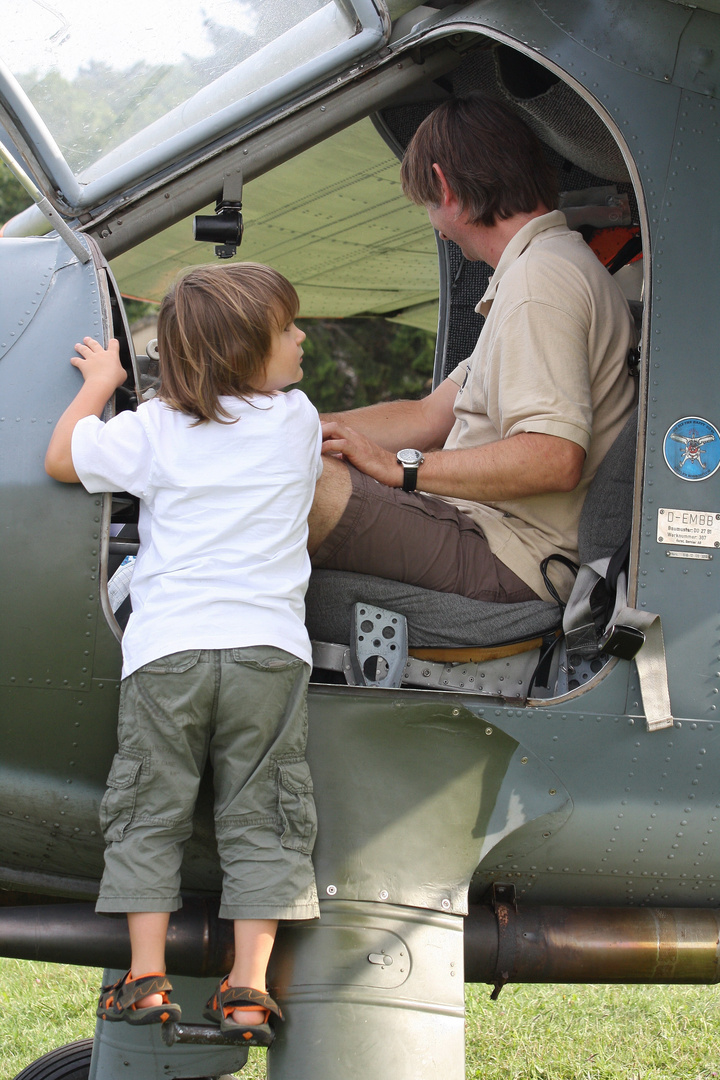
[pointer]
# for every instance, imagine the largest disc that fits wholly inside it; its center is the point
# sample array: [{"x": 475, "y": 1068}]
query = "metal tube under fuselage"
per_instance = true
[
  {"x": 591, "y": 945},
  {"x": 529, "y": 944}
]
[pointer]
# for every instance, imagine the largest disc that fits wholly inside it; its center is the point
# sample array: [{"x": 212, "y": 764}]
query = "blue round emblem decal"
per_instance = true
[{"x": 692, "y": 448}]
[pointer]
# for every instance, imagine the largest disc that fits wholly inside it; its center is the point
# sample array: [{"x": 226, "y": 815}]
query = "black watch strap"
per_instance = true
[{"x": 410, "y": 475}]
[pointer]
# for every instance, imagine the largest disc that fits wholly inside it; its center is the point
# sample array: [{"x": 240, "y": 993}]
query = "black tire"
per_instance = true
[{"x": 71, "y": 1062}]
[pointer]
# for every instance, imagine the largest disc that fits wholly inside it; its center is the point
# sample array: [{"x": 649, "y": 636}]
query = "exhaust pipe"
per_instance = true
[
  {"x": 501, "y": 943},
  {"x": 591, "y": 945},
  {"x": 199, "y": 943}
]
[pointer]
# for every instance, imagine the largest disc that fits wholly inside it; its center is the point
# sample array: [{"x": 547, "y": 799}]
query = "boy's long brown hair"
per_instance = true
[
  {"x": 490, "y": 158},
  {"x": 215, "y": 329}
]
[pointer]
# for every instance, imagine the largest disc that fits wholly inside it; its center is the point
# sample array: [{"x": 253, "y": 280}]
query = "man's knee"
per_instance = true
[{"x": 332, "y": 493}]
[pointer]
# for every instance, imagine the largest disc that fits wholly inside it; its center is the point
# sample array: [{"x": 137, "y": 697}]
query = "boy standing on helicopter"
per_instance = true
[{"x": 216, "y": 657}]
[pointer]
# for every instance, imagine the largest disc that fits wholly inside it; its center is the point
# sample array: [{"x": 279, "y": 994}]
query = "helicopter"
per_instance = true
[{"x": 526, "y": 796}]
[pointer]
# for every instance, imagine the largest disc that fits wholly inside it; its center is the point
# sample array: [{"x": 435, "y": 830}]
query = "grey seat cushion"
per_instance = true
[{"x": 434, "y": 618}]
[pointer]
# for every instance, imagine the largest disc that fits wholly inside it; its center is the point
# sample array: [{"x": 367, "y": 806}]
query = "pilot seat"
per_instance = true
[{"x": 375, "y": 632}]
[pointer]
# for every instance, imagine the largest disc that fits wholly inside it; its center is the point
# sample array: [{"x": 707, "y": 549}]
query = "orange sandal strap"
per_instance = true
[
  {"x": 119, "y": 1001},
  {"x": 227, "y": 999}
]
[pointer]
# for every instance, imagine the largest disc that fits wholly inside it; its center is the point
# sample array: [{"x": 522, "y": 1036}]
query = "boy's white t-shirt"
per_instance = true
[{"x": 223, "y": 559}]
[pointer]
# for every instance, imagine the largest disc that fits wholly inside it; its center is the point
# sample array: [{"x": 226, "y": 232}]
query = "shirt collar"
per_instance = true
[{"x": 520, "y": 241}]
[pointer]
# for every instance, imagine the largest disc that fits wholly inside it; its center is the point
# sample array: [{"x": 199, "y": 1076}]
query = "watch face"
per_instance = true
[{"x": 410, "y": 457}]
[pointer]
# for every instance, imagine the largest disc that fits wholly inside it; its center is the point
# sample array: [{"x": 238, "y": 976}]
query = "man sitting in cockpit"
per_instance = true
[{"x": 468, "y": 490}]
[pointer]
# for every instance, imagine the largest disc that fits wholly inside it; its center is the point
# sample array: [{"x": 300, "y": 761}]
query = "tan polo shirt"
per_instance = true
[{"x": 551, "y": 358}]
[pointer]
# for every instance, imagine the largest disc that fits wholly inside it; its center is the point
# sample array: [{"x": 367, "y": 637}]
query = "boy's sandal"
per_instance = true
[
  {"x": 227, "y": 999},
  {"x": 119, "y": 1001}
]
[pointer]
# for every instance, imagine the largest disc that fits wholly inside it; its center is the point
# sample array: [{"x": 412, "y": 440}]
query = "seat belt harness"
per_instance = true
[{"x": 631, "y": 634}]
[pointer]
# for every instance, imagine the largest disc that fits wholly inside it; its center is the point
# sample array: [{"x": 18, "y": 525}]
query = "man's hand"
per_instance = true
[
  {"x": 99, "y": 365},
  {"x": 367, "y": 456}
]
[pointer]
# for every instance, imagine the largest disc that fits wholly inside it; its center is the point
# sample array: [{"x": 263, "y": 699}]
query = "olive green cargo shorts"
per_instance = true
[{"x": 246, "y": 710}]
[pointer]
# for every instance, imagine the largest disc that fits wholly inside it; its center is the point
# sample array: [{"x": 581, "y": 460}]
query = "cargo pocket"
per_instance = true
[
  {"x": 298, "y": 818},
  {"x": 118, "y": 805}
]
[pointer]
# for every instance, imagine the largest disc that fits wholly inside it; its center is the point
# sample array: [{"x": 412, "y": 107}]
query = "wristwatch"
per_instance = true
[{"x": 411, "y": 460}]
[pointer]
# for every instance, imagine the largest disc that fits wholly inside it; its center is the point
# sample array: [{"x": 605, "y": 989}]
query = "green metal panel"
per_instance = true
[
  {"x": 405, "y": 788},
  {"x": 639, "y": 34},
  {"x": 645, "y": 812},
  {"x": 58, "y": 726},
  {"x": 50, "y": 532},
  {"x": 684, "y": 330}
]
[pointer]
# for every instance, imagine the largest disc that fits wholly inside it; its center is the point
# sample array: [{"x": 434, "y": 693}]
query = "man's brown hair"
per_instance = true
[
  {"x": 490, "y": 158},
  {"x": 215, "y": 329}
]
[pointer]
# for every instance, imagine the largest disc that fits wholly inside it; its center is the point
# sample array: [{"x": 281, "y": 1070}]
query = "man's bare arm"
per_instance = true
[
  {"x": 522, "y": 465},
  {"x": 394, "y": 425},
  {"x": 526, "y": 464}
]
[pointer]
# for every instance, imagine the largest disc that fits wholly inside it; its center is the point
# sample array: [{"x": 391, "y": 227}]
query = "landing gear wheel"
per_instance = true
[{"x": 71, "y": 1062}]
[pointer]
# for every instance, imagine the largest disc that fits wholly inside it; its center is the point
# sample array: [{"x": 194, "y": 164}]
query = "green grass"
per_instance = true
[
  {"x": 42, "y": 1006},
  {"x": 593, "y": 1033},
  {"x": 529, "y": 1033}
]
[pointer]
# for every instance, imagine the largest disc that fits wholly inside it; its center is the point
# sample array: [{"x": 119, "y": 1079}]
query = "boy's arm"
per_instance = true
[{"x": 103, "y": 374}]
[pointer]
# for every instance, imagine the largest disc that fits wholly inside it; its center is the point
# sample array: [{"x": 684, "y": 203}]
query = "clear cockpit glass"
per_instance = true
[{"x": 92, "y": 87}]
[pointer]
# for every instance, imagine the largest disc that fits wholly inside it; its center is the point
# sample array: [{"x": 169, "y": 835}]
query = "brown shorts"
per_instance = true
[{"x": 411, "y": 537}]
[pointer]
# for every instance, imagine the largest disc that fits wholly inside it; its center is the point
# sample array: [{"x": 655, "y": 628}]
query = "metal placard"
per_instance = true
[{"x": 688, "y": 528}]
